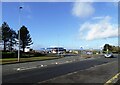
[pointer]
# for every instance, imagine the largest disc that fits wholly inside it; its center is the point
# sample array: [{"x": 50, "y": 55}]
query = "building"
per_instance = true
[{"x": 59, "y": 50}]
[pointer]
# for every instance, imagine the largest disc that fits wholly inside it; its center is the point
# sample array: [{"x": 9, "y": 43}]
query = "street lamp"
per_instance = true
[
  {"x": 81, "y": 49},
  {"x": 101, "y": 48},
  {"x": 58, "y": 45},
  {"x": 19, "y": 35}
]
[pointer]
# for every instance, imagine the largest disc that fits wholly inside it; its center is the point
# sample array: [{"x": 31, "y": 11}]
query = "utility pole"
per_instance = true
[
  {"x": 81, "y": 48},
  {"x": 19, "y": 35}
]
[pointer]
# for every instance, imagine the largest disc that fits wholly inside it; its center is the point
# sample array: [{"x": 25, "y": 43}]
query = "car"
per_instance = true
[
  {"x": 108, "y": 55},
  {"x": 58, "y": 50},
  {"x": 89, "y": 53}
]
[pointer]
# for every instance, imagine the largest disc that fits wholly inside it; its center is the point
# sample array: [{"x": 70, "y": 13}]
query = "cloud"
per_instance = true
[
  {"x": 99, "y": 30},
  {"x": 96, "y": 18},
  {"x": 82, "y": 9}
]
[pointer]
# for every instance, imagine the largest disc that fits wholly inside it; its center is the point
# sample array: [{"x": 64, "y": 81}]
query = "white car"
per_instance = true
[{"x": 108, "y": 55}]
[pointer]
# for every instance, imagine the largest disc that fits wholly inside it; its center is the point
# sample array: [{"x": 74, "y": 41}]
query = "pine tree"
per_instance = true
[
  {"x": 25, "y": 38},
  {"x": 5, "y": 34}
]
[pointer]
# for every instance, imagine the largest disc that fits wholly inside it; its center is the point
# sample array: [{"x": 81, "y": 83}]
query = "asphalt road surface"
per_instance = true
[
  {"x": 118, "y": 82},
  {"x": 36, "y": 75}
]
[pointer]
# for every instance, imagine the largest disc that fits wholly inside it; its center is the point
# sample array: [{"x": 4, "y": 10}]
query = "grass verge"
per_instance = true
[{"x": 14, "y": 60}]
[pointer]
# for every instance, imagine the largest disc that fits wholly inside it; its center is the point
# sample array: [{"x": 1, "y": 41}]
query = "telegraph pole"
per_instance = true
[{"x": 19, "y": 34}]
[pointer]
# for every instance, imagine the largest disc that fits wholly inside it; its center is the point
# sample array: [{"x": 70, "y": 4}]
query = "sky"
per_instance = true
[{"x": 70, "y": 25}]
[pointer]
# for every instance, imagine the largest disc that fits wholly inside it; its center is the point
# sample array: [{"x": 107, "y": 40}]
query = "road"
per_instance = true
[
  {"x": 118, "y": 82},
  {"x": 36, "y": 75}
]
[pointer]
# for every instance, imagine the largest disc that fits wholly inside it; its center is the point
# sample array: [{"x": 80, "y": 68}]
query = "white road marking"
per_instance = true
[{"x": 42, "y": 65}]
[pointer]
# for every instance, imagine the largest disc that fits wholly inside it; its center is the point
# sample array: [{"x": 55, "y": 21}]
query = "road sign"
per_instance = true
[{"x": 81, "y": 48}]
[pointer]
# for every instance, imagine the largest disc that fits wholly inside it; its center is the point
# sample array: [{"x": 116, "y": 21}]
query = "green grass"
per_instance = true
[{"x": 14, "y": 60}]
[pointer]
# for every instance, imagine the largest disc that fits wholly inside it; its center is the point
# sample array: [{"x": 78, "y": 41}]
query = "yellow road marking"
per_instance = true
[{"x": 112, "y": 79}]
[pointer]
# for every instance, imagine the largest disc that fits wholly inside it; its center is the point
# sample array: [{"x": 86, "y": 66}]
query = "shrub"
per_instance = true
[
  {"x": 14, "y": 54},
  {"x": 37, "y": 54},
  {"x": 9, "y": 55}
]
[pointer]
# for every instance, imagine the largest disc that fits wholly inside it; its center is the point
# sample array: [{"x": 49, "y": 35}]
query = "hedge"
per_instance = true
[
  {"x": 22, "y": 54},
  {"x": 9, "y": 55}
]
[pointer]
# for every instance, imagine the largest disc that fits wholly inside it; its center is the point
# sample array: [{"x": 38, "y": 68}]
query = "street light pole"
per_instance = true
[
  {"x": 58, "y": 45},
  {"x": 19, "y": 35},
  {"x": 81, "y": 48}
]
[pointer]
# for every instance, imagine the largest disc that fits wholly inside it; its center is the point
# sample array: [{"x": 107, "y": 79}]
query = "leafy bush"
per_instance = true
[
  {"x": 37, "y": 54},
  {"x": 51, "y": 55},
  {"x": 29, "y": 54},
  {"x": 22, "y": 54},
  {"x": 9, "y": 55}
]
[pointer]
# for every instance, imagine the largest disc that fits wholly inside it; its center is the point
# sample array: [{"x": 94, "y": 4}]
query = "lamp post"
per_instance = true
[
  {"x": 81, "y": 48},
  {"x": 19, "y": 35},
  {"x": 58, "y": 45},
  {"x": 101, "y": 50}
]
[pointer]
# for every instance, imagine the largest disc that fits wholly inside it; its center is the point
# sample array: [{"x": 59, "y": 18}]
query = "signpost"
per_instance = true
[{"x": 81, "y": 49}]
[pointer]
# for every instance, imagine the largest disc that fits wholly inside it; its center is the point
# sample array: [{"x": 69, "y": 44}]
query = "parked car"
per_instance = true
[
  {"x": 49, "y": 50},
  {"x": 58, "y": 50},
  {"x": 89, "y": 53},
  {"x": 108, "y": 55}
]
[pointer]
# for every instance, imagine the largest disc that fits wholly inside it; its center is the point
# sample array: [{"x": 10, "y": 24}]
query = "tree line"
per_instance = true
[
  {"x": 9, "y": 37},
  {"x": 111, "y": 48}
]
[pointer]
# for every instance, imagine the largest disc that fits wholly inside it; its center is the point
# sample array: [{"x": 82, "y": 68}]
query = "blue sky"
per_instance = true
[{"x": 68, "y": 24}]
